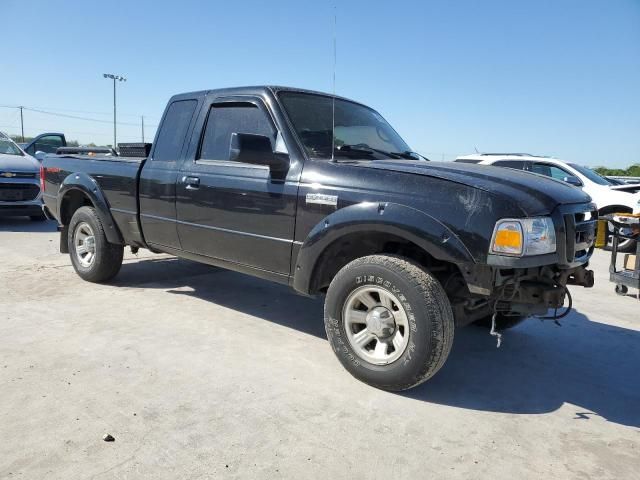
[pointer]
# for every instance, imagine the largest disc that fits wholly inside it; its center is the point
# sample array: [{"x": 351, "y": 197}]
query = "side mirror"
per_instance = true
[
  {"x": 257, "y": 150},
  {"x": 571, "y": 180},
  {"x": 40, "y": 155}
]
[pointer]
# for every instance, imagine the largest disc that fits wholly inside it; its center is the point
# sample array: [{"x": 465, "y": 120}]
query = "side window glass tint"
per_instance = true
[
  {"x": 225, "y": 119},
  {"x": 516, "y": 164},
  {"x": 48, "y": 144},
  {"x": 173, "y": 131},
  {"x": 541, "y": 168},
  {"x": 558, "y": 173}
]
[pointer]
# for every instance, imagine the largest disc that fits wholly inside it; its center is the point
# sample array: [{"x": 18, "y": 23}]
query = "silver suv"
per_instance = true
[{"x": 20, "y": 190}]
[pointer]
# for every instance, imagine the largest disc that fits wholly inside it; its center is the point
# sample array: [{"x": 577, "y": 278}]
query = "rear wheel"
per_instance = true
[
  {"x": 389, "y": 322},
  {"x": 93, "y": 257}
]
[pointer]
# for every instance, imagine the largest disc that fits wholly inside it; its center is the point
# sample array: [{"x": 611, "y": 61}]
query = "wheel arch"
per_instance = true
[
  {"x": 372, "y": 228},
  {"x": 614, "y": 209},
  {"x": 78, "y": 190}
]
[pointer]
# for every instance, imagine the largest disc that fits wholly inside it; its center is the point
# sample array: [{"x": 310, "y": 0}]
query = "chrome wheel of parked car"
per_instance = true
[
  {"x": 85, "y": 243},
  {"x": 376, "y": 325},
  {"x": 626, "y": 246}
]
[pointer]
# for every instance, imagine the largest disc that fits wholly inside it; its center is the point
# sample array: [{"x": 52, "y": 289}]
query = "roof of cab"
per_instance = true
[{"x": 255, "y": 90}]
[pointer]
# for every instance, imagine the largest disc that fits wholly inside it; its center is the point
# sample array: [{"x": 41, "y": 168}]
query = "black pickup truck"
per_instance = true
[{"x": 320, "y": 193}]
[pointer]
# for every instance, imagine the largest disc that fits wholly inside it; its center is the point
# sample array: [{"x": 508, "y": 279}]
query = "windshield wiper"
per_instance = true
[
  {"x": 364, "y": 148},
  {"x": 411, "y": 152},
  {"x": 407, "y": 154}
]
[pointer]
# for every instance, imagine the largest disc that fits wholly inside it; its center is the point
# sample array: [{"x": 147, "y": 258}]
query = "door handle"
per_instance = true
[{"x": 193, "y": 183}]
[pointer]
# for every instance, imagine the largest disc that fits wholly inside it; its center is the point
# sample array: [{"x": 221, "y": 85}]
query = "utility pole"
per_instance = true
[
  {"x": 142, "y": 119},
  {"x": 119, "y": 78},
  {"x": 21, "y": 123}
]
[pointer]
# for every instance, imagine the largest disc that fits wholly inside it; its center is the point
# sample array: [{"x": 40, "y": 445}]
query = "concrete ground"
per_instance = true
[{"x": 203, "y": 373}]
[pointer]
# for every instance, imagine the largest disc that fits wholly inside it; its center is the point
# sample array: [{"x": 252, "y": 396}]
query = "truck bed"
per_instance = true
[{"x": 117, "y": 178}]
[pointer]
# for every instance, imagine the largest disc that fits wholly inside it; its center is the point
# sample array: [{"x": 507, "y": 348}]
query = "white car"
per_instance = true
[{"x": 609, "y": 198}]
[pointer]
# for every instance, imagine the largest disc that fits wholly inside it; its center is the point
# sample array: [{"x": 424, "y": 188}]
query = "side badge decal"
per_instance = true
[{"x": 322, "y": 199}]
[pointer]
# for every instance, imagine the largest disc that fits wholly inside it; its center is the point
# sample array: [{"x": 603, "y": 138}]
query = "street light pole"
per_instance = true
[
  {"x": 119, "y": 78},
  {"x": 21, "y": 123}
]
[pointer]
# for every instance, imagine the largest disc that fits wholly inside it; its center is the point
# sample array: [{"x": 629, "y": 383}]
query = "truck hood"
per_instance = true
[
  {"x": 534, "y": 194},
  {"x": 17, "y": 163}
]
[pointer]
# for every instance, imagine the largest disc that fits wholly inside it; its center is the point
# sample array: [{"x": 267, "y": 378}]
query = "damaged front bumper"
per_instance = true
[{"x": 531, "y": 285}]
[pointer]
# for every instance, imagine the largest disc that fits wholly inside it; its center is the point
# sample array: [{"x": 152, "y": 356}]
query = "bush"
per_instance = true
[{"x": 632, "y": 171}]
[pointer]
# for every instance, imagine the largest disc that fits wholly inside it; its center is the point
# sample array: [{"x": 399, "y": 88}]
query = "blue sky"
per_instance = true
[{"x": 554, "y": 77}]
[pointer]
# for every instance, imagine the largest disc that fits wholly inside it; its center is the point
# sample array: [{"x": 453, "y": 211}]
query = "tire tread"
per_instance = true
[
  {"x": 435, "y": 299},
  {"x": 111, "y": 254}
]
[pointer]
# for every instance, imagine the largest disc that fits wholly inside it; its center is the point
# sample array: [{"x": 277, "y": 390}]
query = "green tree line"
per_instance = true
[{"x": 632, "y": 171}]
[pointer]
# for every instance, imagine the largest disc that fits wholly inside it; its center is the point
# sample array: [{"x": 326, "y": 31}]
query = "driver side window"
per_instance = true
[{"x": 227, "y": 118}]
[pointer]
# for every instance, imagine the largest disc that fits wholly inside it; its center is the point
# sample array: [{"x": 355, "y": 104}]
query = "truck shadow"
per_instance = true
[
  {"x": 591, "y": 366},
  {"x": 243, "y": 293},
  {"x": 540, "y": 367},
  {"x": 23, "y": 224}
]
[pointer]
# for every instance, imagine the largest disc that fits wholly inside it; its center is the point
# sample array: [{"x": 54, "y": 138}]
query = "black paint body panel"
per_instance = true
[{"x": 247, "y": 218}]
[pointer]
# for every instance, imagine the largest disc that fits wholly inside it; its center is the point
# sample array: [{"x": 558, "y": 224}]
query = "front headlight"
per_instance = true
[{"x": 524, "y": 237}]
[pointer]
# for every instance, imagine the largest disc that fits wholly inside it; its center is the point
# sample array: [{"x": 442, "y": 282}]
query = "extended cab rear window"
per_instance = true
[{"x": 173, "y": 130}]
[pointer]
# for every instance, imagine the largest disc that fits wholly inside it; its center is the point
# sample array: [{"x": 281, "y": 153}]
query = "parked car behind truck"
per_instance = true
[
  {"x": 262, "y": 180},
  {"x": 45, "y": 143},
  {"x": 20, "y": 187},
  {"x": 608, "y": 197}
]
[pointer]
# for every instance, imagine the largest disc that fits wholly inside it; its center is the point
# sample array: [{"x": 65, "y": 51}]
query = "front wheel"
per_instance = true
[
  {"x": 388, "y": 321},
  {"x": 93, "y": 257}
]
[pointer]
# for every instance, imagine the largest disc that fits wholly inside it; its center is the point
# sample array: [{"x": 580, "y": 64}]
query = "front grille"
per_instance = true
[
  {"x": 581, "y": 234},
  {"x": 18, "y": 192},
  {"x": 17, "y": 175}
]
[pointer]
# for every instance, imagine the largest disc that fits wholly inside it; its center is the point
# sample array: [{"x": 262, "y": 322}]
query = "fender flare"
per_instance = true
[
  {"x": 89, "y": 187},
  {"x": 400, "y": 220}
]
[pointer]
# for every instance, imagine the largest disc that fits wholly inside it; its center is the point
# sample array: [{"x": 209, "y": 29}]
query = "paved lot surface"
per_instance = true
[{"x": 202, "y": 373}]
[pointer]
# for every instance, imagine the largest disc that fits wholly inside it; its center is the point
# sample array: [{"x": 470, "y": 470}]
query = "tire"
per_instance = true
[
  {"x": 622, "y": 290},
  {"x": 418, "y": 336},
  {"x": 37, "y": 218},
  {"x": 106, "y": 260},
  {"x": 503, "y": 322},
  {"x": 625, "y": 246}
]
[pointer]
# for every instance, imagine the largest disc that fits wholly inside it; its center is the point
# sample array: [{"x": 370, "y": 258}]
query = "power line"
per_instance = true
[
  {"x": 75, "y": 117},
  {"x": 87, "y": 119},
  {"x": 75, "y": 111}
]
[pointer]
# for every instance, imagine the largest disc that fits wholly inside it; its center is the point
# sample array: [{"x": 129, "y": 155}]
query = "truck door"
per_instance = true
[
  {"x": 47, "y": 143},
  {"x": 232, "y": 211},
  {"x": 157, "y": 186}
]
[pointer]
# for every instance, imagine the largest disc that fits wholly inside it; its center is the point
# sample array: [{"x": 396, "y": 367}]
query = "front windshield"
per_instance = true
[
  {"x": 7, "y": 147},
  {"x": 359, "y": 131},
  {"x": 590, "y": 174}
]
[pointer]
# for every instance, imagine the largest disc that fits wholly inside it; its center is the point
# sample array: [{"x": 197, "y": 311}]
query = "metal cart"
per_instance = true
[{"x": 621, "y": 227}]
